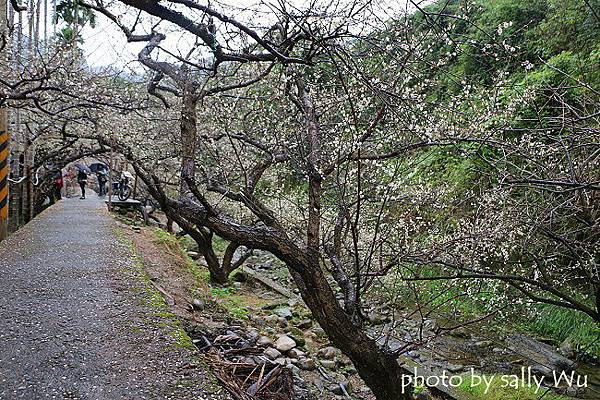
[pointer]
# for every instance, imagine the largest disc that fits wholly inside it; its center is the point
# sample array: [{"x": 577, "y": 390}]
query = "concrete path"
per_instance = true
[{"x": 77, "y": 320}]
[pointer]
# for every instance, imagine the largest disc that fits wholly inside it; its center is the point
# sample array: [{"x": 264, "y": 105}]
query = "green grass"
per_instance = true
[
  {"x": 499, "y": 390},
  {"x": 233, "y": 304},
  {"x": 561, "y": 323}
]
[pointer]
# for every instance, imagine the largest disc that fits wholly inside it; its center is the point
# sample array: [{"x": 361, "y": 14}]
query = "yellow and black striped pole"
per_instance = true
[{"x": 4, "y": 150}]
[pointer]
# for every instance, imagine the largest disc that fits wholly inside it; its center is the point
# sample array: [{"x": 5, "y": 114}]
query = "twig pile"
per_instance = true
[{"x": 230, "y": 356}]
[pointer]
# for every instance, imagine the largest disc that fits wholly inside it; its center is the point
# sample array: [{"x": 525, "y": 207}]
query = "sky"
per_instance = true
[{"x": 105, "y": 45}]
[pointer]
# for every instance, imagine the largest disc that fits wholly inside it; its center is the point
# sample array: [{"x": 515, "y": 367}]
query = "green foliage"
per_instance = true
[
  {"x": 230, "y": 302},
  {"x": 560, "y": 324}
]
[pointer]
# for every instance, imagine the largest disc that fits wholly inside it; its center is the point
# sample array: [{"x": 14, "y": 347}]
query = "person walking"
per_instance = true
[
  {"x": 82, "y": 179},
  {"x": 58, "y": 185},
  {"x": 102, "y": 176}
]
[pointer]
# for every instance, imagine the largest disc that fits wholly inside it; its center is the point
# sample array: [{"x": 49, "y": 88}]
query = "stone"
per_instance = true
[
  {"x": 271, "y": 319},
  {"x": 284, "y": 312},
  {"x": 280, "y": 361},
  {"x": 237, "y": 285},
  {"x": 350, "y": 370},
  {"x": 317, "y": 330},
  {"x": 297, "y": 335},
  {"x": 328, "y": 364},
  {"x": 304, "y": 324},
  {"x": 198, "y": 304},
  {"x": 541, "y": 354},
  {"x": 341, "y": 389},
  {"x": 566, "y": 348},
  {"x": 193, "y": 255},
  {"x": 484, "y": 343},
  {"x": 272, "y": 353},
  {"x": 454, "y": 368},
  {"x": 460, "y": 333},
  {"x": 328, "y": 352},
  {"x": 429, "y": 325},
  {"x": 307, "y": 364},
  {"x": 264, "y": 341},
  {"x": 285, "y": 343},
  {"x": 296, "y": 353}
]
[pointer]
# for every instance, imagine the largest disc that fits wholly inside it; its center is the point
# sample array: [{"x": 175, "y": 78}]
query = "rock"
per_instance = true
[
  {"x": 297, "y": 335},
  {"x": 319, "y": 384},
  {"x": 237, "y": 285},
  {"x": 252, "y": 335},
  {"x": 484, "y": 343},
  {"x": 285, "y": 343},
  {"x": 454, "y": 368},
  {"x": 341, "y": 389},
  {"x": 542, "y": 370},
  {"x": 198, "y": 304},
  {"x": 350, "y": 370},
  {"x": 566, "y": 348},
  {"x": 328, "y": 352},
  {"x": 282, "y": 322},
  {"x": 295, "y": 353},
  {"x": 540, "y": 354},
  {"x": 271, "y": 319},
  {"x": 461, "y": 333},
  {"x": 307, "y": 364},
  {"x": 328, "y": 364},
  {"x": 498, "y": 350},
  {"x": 264, "y": 341},
  {"x": 193, "y": 255},
  {"x": 272, "y": 353},
  {"x": 317, "y": 330},
  {"x": 376, "y": 318},
  {"x": 280, "y": 361},
  {"x": 284, "y": 312},
  {"x": 304, "y": 324},
  {"x": 429, "y": 325},
  {"x": 295, "y": 370}
]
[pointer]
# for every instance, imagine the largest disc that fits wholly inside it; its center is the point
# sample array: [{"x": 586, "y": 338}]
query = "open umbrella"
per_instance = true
[
  {"x": 82, "y": 167},
  {"x": 97, "y": 166}
]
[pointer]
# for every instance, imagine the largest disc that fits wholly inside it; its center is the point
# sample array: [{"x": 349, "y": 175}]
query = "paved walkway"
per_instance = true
[{"x": 75, "y": 321}]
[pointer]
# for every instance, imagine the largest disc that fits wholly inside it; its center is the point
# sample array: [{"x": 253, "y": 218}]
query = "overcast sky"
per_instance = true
[{"x": 105, "y": 45}]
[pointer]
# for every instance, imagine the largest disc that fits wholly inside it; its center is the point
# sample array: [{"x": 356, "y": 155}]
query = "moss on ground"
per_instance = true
[{"x": 153, "y": 300}]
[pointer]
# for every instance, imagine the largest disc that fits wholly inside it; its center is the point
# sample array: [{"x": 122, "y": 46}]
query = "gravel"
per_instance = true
[{"x": 75, "y": 317}]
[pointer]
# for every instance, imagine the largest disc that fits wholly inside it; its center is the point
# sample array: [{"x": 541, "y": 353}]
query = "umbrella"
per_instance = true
[
  {"x": 82, "y": 167},
  {"x": 97, "y": 166}
]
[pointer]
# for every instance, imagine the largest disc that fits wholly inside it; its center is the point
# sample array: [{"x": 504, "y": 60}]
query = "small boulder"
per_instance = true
[
  {"x": 284, "y": 312},
  {"x": 304, "y": 324},
  {"x": 328, "y": 352},
  {"x": 296, "y": 353},
  {"x": 341, "y": 389},
  {"x": 307, "y": 364},
  {"x": 285, "y": 343},
  {"x": 328, "y": 364},
  {"x": 198, "y": 305},
  {"x": 272, "y": 353},
  {"x": 264, "y": 341}
]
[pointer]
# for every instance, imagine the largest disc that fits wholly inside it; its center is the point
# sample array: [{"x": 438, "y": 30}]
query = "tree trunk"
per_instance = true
[
  {"x": 380, "y": 370},
  {"x": 189, "y": 133}
]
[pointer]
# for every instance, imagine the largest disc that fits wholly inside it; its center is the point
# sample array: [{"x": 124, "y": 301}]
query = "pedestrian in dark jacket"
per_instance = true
[{"x": 82, "y": 179}]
